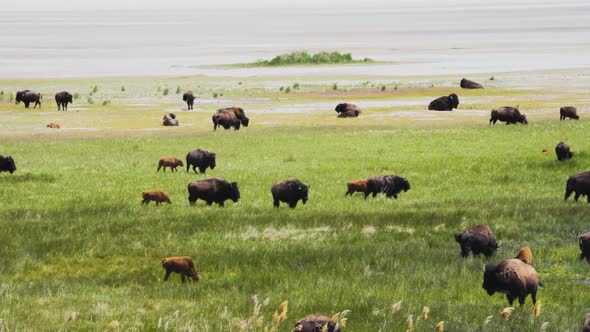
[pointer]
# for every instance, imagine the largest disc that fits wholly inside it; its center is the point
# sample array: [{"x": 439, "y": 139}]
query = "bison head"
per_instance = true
[
  {"x": 341, "y": 108},
  {"x": 576, "y": 117},
  {"x": 186, "y": 96},
  {"x": 405, "y": 184},
  {"x": 70, "y": 98},
  {"x": 10, "y": 163},
  {"x": 18, "y": 97},
  {"x": 234, "y": 192},
  {"x": 179, "y": 163},
  {"x": 304, "y": 193},
  {"x": 453, "y": 100},
  {"x": 245, "y": 121},
  {"x": 523, "y": 119},
  {"x": 211, "y": 159},
  {"x": 490, "y": 284}
]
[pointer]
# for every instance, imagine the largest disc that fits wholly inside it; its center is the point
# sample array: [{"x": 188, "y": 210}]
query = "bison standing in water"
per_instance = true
[
  {"x": 467, "y": 84},
  {"x": 316, "y": 323},
  {"x": 514, "y": 278},
  {"x": 62, "y": 99},
  {"x": 189, "y": 98},
  {"x": 289, "y": 191},
  {"x": 231, "y": 117},
  {"x": 200, "y": 158},
  {"x": 214, "y": 190},
  {"x": 478, "y": 239},
  {"x": 507, "y": 114},
  {"x": 390, "y": 185},
  {"x": 568, "y": 112},
  {"x": 7, "y": 164},
  {"x": 445, "y": 103},
  {"x": 563, "y": 152},
  {"x": 580, "y": 184},
  {"x": 27, "y": 97}
]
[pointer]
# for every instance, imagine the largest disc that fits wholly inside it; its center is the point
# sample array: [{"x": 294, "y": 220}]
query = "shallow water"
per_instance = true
[{"x": 421, "y": 40}]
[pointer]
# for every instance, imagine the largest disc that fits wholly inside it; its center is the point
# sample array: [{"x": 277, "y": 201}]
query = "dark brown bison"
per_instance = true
[
  {"x": 27, "y": 97},
  {"x": 347, "y": 108},
  {"x": 478, "y": 239},
  {"x": 445, "y": 103},
  {"x": 584, "y": 241},
  {"x": 7, "y": 164},
  {"x": 568, "y": 112},
  {"x": 350, "y": 114},
  {"x": 183, "y": 265},
  {"x": 508, "y": 114},
  {"x": 289, "y": 191},
  {"x": 467, "y": 84},
  {"x": 231, "y": 117},
  {"x": 580, "y": 184},
  {"x": 169, "y": 120},
  {"x": 563, "y": 152},
  {"x": 62, "y": 99},
  {"x": 155, "y": 196},
  {"x": 513, "y": 277},
  {"x": 171, "y": 162},
  {"x": 390, "y": 185},
  {"x": 201, "y": 159},
  {"x": 316, "y": 323},
  {"x": 586, "y": 323},
  {"x": 214, "y": 190},
  {"x": 356, "y": 186},
  {"x": 189, "y": 98}
]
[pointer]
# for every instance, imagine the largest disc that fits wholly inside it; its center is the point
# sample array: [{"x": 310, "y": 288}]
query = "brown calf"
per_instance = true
[
  {"x": 156, "y": 196},
  {"x": 183, "y": 265},
  {"x": 171, "y": 162}
]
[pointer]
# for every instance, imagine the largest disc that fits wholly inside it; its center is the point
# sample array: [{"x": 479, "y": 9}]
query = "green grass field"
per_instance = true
[{"x": 80, "y": 252}]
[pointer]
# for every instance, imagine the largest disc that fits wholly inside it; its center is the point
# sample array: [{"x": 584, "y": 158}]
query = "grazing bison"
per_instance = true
[
  {"x": 27, "y": 97},
  {"x": 289, "y": 191},
  {"x": 478, "y": 239},
  {"x": 525, "y": 255},
  {"x": 508, "y": 114},
  {"x": 200, "y": 158},
  {"x": 7, "y": 164},
  {"x": 586, "y": 323},
  {"x": 513, "y": 277},
  {"x": 350, "y": 114},
  {"x": 356, "y": 186},
  {"x": 189, "y": 98},
  {"x": 169, "y": 120},
  {"x": 568, "y": 112},
  {"x": 231, "y": 117},
  {"x": 467, "y": 84},
  {"x": 390, "y": 185},
  {"x": 316, "y": 323},
  {"x": 584, "y": 241},
  {"x": 563, "y": 152},
  {"x": 445, "y": 103},
  {"x": 53, "y": 125},
  {"x": 580, "y": 184},
  {"x": 347, "y": 108},
  {"x": 171, "y": 162},
  {"x": 155, "y": 196},
  {"x": 213, "y": 190},
  {"x": 183, "y": 265},
  {"x": 62, "y": 99}
]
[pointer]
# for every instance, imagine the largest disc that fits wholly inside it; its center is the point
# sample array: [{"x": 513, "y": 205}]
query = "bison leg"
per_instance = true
[
  {"x": 366, "y": 194},
  {"x": 145, "y": 201},
  {"x": 182, "y": 278},
  {"x": 510, "y": 298},
  {"x": 214, "y": 126},
  {"x": 534, "y": 296},
  {"x": 292, "y": 205},
  {"x": 192, "y": 200},
  {"x": 202, "y": 169},
  {"x": 374, "y": 194},
  {"x": 568, "y": 192},
  {"x": 348, "y": 193},
  {"x": 209, "y": 203},
  {"x": 395, "y": 196},
  {"x": 588, "y": 198},
  {"x": 167, "y": 275},
  {"x": 26, "y": 104},
  {"x": 276, "y": 203},
  {"x": 195, "y": 169},
  {"x": 58, "y": 108},
  {"x": 577, "y": 196},
  {"x": 521, "y": 298},
  {"x": 159, "y": 166},
  {"x": 221, "y": 203}
]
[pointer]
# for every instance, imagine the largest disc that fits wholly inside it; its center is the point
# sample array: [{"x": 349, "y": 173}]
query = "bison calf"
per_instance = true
[
  {"x": 514, "y": 278},
  {"x": 478, "y": 239},
  {"x": 584, "y": 241},
  {"x": 171, "y": 162},
  {"x": 316, "y": 323},
  {"x": 525, "y": 255},
  {"x": 356, "y": 186},
  {"x": 156, "y": 196},
  {"x": 183, "y": 265},
  {"x": 53, "y": 125}
]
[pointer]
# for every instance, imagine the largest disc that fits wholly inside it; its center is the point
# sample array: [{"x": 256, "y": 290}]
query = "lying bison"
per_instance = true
[
  {"x": 155, "y": 196},
  {"x": 7, "y": 164},
  {"x": 214, "y": 190},
  {"x": 513, "y": 277},
  {"x": 183, "y": 265},
  {"x": 171, "y": 162},
  {"x": 231, "y": 117},
  {"x": 189, "y": 98},
  {"x": 445, "y": 103},
  {"x": 62, "y": 99},
  {"x": 27, "y": 97},
  {"x": 584, "y": 241},
  {"x": 200, "y": 158},
  {"x": 289, "y": 191},
  {"x": 563, "y": 152},
  {"x": 316, "y": 323},
  {"x": 346, "y": 108},
  {"x": 568, "y": 112},
  {"x": 53, "y": 125},
  {"x": 390, "y": 185},
  {"x": 580, "y": 184},
  {"x": 478, "y": 239},
  {"x": 349, "y": 114},
  {"x": 169, "y": 119},
  {"x": 467, "y": 84},
  {"x": 507, "y": 114},
  {"x": 356, "y": 186}
]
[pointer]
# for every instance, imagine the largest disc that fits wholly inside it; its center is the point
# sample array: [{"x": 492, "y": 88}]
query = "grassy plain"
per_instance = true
[{"x": 74, "y": 237}]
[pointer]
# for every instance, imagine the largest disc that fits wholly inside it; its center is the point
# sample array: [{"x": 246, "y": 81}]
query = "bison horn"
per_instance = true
[
  {"x": 484, "y": 268},
  {"x": 499, "y": 244}
]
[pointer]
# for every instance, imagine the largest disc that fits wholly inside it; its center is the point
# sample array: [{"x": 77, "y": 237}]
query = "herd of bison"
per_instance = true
[{"x": 514, "y": 277}]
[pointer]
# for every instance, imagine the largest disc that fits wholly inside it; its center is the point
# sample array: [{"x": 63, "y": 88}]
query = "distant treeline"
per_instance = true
[{"x": 302, "y": 57}]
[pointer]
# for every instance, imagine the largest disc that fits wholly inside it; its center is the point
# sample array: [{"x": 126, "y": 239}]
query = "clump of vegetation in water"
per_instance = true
[
  {"x": 303, "y": 58},
  {"x": 335, "y": 86},
  {"x": 95, "y": 89},
  {"x": 165, "y": 92},
  {"x": 123, "y": 88},
  {"x": 295, "y": 86},
  {"x": 178, "y": 90},
  {"x": 106, "y": 102}
]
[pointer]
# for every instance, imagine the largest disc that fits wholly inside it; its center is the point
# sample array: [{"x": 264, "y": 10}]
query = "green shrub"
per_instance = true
[
  {"x": 295, "y": 86},
  {"x": 95, "y": 89},
  {"x": 302, "y": 57},
  {"x": 178, "y": 89},
  {"x": 215, "y": 95},
  {"x": 383, "y": 87},
  {"x": 335, "y": 86},
  {"x": 122, "y": 88},
  {"x": 288, "y": 89},
  {"x": 165, "y": 92}
]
